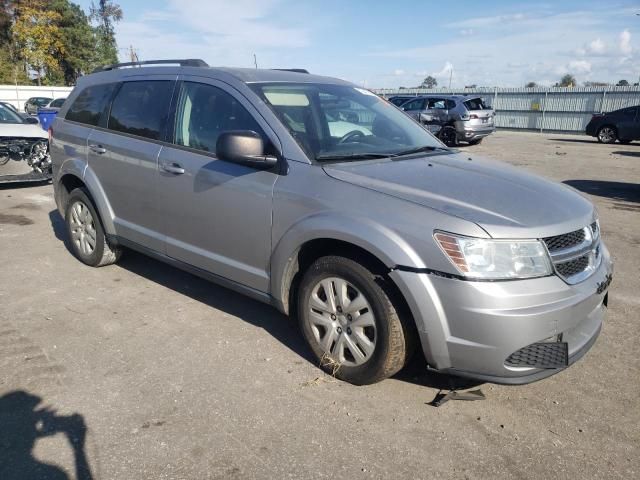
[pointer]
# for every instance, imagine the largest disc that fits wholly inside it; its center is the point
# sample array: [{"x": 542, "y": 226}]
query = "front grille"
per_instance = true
[
  {"x": 573, "y": 267},
  {"x": 575, "y": 255},
  {"x": 568, "y": 240},
  {"x": 540, "y": 355}
]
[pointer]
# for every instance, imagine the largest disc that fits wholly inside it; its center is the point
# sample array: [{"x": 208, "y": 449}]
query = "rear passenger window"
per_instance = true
[
  {"x": 141, "y": 108},
  {"x": 414, "y": 104},
  {"x": 90, "y": 103},
  {"x": 204, "y": 112}
]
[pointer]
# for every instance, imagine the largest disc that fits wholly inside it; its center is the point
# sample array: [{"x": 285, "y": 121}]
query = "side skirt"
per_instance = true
[{"x": 198, "y": 272}]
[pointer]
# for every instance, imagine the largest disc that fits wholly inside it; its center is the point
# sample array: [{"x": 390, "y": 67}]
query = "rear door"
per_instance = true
[
  {"x": 216, "y": 214},
  {"x": 123, "y": 153},
  {"x": 413, "y": 108},
  {"x": 435, "y": 114},
  {"x": 627, "y": 124}
]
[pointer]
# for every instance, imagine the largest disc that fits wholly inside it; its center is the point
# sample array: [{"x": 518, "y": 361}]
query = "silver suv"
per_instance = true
[
  {"x": 327, "y": 202},
  {"x": 453, "y": 118}
]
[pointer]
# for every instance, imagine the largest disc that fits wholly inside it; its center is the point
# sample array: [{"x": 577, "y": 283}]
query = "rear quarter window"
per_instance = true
[
  {"x": 141, "y": 108},
  {"x": 476, "y": 104},
  {"x": 89, "y": 105}
]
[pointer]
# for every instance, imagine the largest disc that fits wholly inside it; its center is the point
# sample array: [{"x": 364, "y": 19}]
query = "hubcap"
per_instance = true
[
  {"x": 83, "y": 230},
  {"x": 342, "y": 321},
  {"x": 606, "y": 134}
]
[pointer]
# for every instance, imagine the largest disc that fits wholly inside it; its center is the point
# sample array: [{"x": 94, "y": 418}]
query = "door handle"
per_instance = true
[
  {"x": 99, "y": 149},
  {"x": 174, "y": 168}
]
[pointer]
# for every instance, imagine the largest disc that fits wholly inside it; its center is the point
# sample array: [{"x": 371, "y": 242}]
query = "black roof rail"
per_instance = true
[
  {"x": 296, "y": 70},
  {"x": 189, "y": 62}
]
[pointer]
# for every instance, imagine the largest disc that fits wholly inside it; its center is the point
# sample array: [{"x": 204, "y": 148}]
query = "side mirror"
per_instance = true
[
  {"x": 31, "y": 120},
  {"x": 244, "y": 147}
]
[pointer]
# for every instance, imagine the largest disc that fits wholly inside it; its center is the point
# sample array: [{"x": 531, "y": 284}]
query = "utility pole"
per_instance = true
[
  {"x": 133, "y": 55},
  {"x": 450, "y": 76},
  {"x": 255, "y": 61}
]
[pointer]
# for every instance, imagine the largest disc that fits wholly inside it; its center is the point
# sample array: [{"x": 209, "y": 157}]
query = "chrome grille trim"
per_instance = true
[{"x": 575, "y": 255}]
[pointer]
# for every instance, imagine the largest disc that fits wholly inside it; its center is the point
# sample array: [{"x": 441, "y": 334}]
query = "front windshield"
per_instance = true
[
  {"x": 9, "y": 116},
  {"x": 333, "y": 122}
]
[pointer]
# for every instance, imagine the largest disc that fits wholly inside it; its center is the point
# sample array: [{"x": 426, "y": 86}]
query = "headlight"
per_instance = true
[{"x": 495, "y": 259}]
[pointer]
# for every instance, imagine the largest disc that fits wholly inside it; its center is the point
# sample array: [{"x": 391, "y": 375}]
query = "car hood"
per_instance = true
[
  {"x": 505, "y": 201},
  {"x": 22, "y": 130}
]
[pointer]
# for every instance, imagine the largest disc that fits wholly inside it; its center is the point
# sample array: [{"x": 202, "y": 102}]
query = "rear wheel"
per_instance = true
[
  {"x": 86, "y": 234},
  {"x": 607, "y": 134},
  {"x": 449, "y": 136},
  {"x": 350, "y": 323}
]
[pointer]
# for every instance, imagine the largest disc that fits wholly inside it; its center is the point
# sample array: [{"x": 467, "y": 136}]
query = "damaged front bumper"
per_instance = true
[{"x": 24, "y": 160}]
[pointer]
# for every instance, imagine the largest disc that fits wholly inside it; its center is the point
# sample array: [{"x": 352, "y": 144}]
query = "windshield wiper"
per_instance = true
[
  {"x": 425, "y": 148},
  {"x": 354, "y": 156}
]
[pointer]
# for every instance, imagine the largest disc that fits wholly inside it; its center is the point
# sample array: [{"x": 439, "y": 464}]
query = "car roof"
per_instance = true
[{"x": 245, "y": 75}]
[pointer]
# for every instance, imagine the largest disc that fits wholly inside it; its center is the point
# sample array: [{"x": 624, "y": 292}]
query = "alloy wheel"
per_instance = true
[{"x": 83, "y": 230}]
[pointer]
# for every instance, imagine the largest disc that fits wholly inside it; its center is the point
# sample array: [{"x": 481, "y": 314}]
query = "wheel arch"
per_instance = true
[{"x": 377, "y": 247}]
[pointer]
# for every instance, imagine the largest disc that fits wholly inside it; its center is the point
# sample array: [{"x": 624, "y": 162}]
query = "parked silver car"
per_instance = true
[
  {"x": 318, "y": 197},
  {"x": 453, "y": 118}
]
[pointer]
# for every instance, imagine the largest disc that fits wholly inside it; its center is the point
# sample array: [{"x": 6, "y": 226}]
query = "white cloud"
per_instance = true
[
  {"x": 398, "y": 72},
  {"x": 625, "y": 42},
  {"x": 597, "y": 46},
  {"x": 221, "y": 32},
  {"x": 579, "y": 67},
  {"x": 466, "y": 32},
  {"x": 480, "y": 22}
]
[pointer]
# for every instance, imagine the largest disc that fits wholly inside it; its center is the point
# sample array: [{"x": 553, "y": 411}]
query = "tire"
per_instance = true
[
  {"x": 624, "y": 142},
  {"x": 475, "y": 142},
  {"x": 362, "y": 342},
  {"x": 607, "y": 134},
  {"x": 448, "y": 136},
  {"x": 84, "y": 225}
]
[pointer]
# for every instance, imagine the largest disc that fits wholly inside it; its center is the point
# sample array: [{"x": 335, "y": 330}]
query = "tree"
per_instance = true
[
  {"x": 37, "y": 36},
  {"x": 622, "y": 83},
  {"x": 429, "y": 82},
  {"x": 106, "y": 14},
  {"x": 567, "y": 80},
  {"x": 531, "y": 85},
  {"x": 78, "y": 38}
]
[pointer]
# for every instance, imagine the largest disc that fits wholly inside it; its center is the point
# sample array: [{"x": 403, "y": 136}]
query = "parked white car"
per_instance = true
[{"x": 24, "y": 149}]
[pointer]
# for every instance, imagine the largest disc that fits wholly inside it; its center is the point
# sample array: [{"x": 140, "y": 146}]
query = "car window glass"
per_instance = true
[
  {"x": 437, "y": 103},
  {"x": 414, "y": 104},
  {"x": 450, "y": 104},
  {"x": 57, "y": 102},
  {"x": 90, "y": 103},
  {"x": 8, "y": 116},
  {"x": 475, "y": 104},
  {"x": 204, "y": 112},
  {"x": 141, "y": 108}
]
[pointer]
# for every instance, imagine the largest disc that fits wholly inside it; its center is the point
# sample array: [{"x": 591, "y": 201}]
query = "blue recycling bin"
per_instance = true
[{"x": 46, "y": 116}]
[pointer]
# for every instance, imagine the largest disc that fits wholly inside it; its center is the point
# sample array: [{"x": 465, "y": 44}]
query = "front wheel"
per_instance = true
[
  {"x": 607, "y": 135},
  {"x": 349, "y": 322}
]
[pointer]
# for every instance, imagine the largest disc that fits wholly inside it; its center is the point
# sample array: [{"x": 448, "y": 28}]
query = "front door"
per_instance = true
[{"x": 216, "y": 214}]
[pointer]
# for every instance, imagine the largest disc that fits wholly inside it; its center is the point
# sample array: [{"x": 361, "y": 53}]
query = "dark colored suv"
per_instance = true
[{"x": 622, "y": 125}]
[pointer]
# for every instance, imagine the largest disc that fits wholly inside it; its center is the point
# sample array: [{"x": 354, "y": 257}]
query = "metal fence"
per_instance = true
[
  {"x": 542, "y": 109},
  {"x": 18, "y": 94}
]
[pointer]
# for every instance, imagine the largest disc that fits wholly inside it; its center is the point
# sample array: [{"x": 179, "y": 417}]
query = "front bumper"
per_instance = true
[{"x": 470, "y": 328}]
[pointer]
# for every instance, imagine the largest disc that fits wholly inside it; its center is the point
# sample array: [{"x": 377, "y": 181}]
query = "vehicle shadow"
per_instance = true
[
  {"x": 626, "y": 154},
  {"x": 281, "y": 327},
  {"x": 626, "y": 192},
  {"x": 22, "y": 423},
  {"x": 577, "y": 140}
]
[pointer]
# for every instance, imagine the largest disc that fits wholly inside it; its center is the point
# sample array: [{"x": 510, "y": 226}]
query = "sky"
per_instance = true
[{"x": 395, "y": 43}]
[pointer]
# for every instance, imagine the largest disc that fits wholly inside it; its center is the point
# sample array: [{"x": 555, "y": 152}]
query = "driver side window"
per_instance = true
[
  {"x": 417, "y": 104},
  {"x": 204, "y": 112}
]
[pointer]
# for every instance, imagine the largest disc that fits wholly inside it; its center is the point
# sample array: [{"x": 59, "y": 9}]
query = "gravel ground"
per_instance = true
[{"x": 140, "y": 371}]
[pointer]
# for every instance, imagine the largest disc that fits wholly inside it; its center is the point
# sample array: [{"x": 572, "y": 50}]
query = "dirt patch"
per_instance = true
[
  {"x": 9, "y": 219},
  {"x": 26, "y": 206}
]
